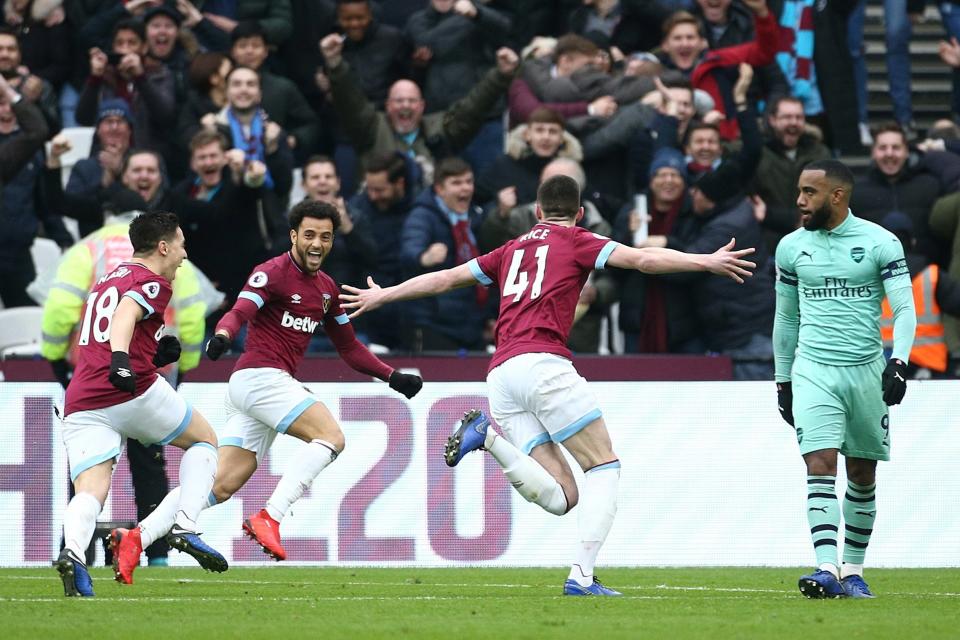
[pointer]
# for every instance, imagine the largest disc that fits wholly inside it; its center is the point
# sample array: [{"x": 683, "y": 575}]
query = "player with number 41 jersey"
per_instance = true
[{"x": 536, "y": 395}]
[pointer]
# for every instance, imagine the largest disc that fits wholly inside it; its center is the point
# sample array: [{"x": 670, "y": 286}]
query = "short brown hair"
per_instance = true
[
  {"x": 681, "y": 17},
  {"x": 318, "y": 159},
  {"x": 572, "y": 43},
  {"x": 450, "y": 167},
  {"x": 544, "y": 115},
  {"x": 202, "y": 67},
  {"x": 889, "y": 127},
  {"x": 774, "y": 107},
  {"x": 204, "y": 137},
  {"x": 391, "y": 162},
  {"x": 559, "y": 197}
]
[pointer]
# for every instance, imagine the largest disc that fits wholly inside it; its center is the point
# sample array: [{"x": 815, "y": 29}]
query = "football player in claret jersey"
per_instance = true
[
  {"x": 536, "y": 395},
  {"x": 116, "y": 393},
  {"x": 284, "y": 301}
]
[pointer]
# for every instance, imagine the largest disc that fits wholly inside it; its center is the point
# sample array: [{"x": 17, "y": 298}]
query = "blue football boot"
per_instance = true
[
  {"x": 190, "y": 543},
  {"x": 469, "y": 437},
  {"x": 572, "y": 588},
  {"x": 821, "y": 584},
  {"x": 73, "y": 573},
  {"x": 855, "y": 587}
]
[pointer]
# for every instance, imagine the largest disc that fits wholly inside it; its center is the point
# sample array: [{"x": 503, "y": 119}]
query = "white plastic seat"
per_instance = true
[{"x": 20, "y": 330}]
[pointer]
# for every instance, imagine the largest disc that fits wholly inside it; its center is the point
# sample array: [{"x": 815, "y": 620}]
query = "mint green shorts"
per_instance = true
[{"x": 841, "y": 408}]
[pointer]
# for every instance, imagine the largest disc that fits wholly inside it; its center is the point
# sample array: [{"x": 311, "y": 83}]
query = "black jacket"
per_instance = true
[
  {"x": 913, "y": 192},
  {"x": 729, "y": 313}
]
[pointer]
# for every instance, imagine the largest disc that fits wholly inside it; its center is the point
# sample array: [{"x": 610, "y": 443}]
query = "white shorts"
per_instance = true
[
  {"x": 97, "y": 435},
  {"x": 260, "y": 404},
  {"x": 539, "y": 397}
]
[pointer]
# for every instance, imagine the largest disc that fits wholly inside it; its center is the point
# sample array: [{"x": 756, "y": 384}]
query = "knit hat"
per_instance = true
[
  {"x": 671, "y": 158},
  {"x": 163, "y": 10},
  {"x": 722, "y": 183},
  {"x": 115, "y": 107}
]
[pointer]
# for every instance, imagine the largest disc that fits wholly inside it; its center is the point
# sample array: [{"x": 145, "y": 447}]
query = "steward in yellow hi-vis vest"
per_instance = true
[{"x": 63, "y": 289}]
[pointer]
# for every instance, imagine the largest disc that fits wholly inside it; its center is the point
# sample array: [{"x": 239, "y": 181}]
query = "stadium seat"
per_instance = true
[
  {"x": 45, "y": 253},
  {"x": 20, "y": 331},
  {"x": 81, "y": 140}
]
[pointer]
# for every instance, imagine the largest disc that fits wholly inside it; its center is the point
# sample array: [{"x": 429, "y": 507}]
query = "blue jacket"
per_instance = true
[{"x": 454, "y": 314}]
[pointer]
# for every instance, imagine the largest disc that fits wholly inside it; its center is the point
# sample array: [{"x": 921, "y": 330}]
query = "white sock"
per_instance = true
[
  {"x": 160, "y": 520},
  {"x": 79, "y": 522},
  {"x": 197, "y": 470},
  {"x": 849, "y": 569},
  {"x": 309, "y": 463},
  {"x": 527, "y": 475},
  {"x": 598, "y": 506},
  {"x": 832, "y": 568}
]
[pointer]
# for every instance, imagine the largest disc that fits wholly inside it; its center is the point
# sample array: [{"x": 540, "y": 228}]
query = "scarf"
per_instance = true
[
  {"x": 464, "y": 244},
  {"x": 654, "y": 332},
  {"x": 796, "y": 53},
  {"x": 253, "y": 145}
]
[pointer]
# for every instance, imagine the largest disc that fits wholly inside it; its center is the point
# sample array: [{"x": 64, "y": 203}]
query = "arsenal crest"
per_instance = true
[{"x": 857, "y": 254}]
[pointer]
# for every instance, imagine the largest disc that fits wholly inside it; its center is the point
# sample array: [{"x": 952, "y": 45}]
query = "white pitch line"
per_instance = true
[
  {"x": 339, "y": 583},
  {"x": 248, "y": 599}
]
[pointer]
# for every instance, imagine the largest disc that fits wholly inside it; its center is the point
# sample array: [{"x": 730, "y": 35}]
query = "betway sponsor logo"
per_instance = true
[{"x": 299, "y": 324}]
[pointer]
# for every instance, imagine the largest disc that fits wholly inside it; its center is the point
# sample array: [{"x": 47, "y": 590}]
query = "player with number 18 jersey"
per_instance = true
[{"x": 90, "y": 387}]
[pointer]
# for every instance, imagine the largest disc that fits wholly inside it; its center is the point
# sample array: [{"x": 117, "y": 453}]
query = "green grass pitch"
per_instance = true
[{"x": 321, "y": 602}]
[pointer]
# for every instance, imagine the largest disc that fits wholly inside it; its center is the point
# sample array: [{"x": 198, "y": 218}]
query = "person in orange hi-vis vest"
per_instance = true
[{"x": 934, "y": 293}]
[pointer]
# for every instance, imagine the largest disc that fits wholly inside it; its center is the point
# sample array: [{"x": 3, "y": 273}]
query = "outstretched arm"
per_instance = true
[
  {"x": 243, "y": 311},
  {"x": 422, "y": 286},
  {"x": 723, "y": 261}
]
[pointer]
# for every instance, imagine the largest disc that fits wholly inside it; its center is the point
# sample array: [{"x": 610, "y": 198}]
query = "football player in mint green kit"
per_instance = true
[{"x": 833, "y": 386}]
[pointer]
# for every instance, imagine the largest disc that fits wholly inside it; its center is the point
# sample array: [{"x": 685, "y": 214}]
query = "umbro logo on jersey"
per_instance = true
[
  {"x": 123, "y": 373},
  {"x": 298, "y": 324},
  {"x": 295, "y": 298}
]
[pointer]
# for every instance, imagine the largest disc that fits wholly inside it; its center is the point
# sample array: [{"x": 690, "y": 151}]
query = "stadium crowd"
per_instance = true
[{"x": 430, "y": 124}]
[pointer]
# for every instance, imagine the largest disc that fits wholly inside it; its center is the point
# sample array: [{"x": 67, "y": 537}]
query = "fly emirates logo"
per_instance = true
[{"x": 299, "y": 324}]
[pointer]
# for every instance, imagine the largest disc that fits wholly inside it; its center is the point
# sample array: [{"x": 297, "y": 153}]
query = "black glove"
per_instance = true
[
  {"x": 785, "y": 401},
  {"x": 168, "y": 350},
  {"x": 121, "y": 375},
  {"x": 894, "y": 381},
  {"x": 217, "y": 345},
  {"x": 406, "y": 383},
  {"x": 61, "y": 371}
]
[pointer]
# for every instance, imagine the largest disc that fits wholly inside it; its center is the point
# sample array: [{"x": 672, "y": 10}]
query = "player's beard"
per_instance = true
[
  {"x": 818, "y": 218},
  {"x": 304, "y": 255}
]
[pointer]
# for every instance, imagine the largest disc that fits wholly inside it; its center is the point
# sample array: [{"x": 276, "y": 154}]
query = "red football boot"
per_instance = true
[
  {"x": 265, "y": 531},
  {"x": 126, "y": 547}
]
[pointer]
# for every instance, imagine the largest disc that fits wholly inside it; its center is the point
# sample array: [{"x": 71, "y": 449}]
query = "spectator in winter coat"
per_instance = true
[
  {"x": 530, "y": 147},
  {"x": 440, "y": 233},
  {"x": 403, "y": 127},
  {"x": 455, "y": 40},
  {"x": 22, "y": 132},
  {"x": 386, "y": 201},
  {"x": 895, "y": 183},
  {"x": 789, "y": 147}
]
